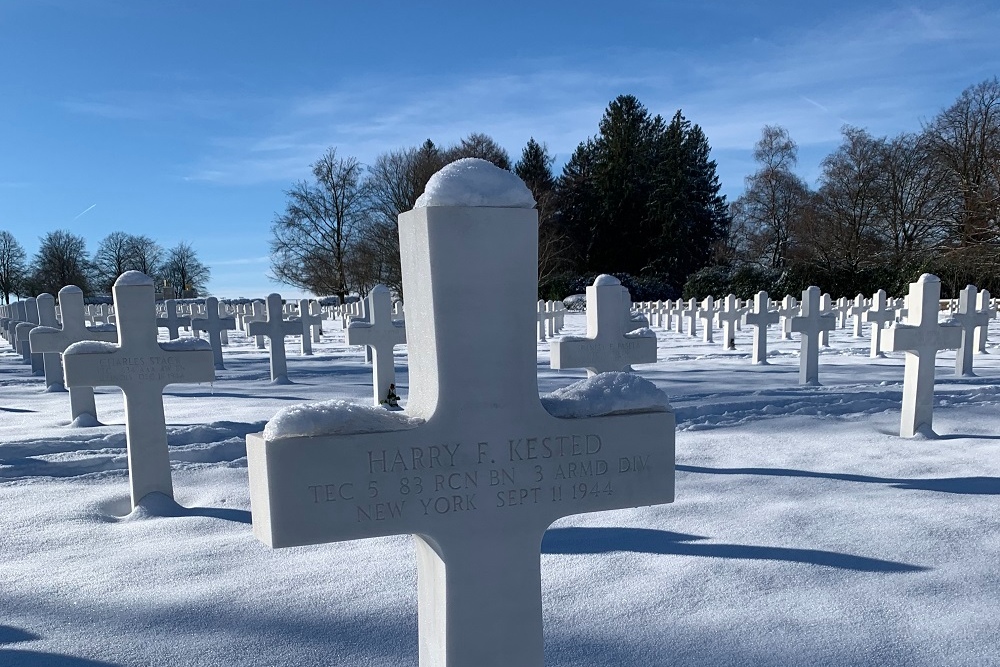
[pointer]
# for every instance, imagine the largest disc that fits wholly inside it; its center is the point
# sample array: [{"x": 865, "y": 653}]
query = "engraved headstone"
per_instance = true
[
  {"x": 381, "y": 333},
  {"x": 141, "y": 367},
  {"x": 920, "y": 338},
  {"x": 479, "y": 481},
  {"x": 608, "y": 345}
]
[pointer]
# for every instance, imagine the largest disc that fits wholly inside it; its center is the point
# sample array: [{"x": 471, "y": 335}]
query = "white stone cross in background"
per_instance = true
[
  {"x": 968, "y": 319},
  {"x": 811, "y": 324},
  {"x": 381, "y": 333},
  {"x": 608, "y": 346},
  {"x": 51, "y": 360},
  {"x": 920, "y": 338},
  {"x": 879, "y": 315},
  {"x": 275, "y": 328},
  {"x": 479, "y": 481},
  {"x": 728, "y": 316},
  {"x": 141, "y": 367},
  {"x": 983, "y": 304},
  {"x": 857, "y": 311},
  {"x": 73, "y": 330},
  {"x": 171, "y": 321},
  {"x": 761, "y": 317},
  {"x": 691, "y": 314},
  {"x": 213, "y": 326},
  {"x": 707, "y": 312},
  {"x": 789, "y": 308}
]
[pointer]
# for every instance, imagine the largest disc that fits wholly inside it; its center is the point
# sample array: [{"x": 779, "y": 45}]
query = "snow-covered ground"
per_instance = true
[{"x": 804, "y": 532}]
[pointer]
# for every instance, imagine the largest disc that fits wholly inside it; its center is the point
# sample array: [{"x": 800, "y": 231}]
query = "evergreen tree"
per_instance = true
[{"x": 535, "y": 169}]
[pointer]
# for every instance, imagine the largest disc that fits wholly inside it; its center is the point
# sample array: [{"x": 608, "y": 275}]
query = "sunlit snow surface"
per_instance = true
[{"x": 804, "y": 532}]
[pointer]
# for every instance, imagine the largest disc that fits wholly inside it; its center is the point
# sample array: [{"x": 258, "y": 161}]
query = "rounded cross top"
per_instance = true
[
  {"x": 604, "y": 279},
  {"x": 475, "y": 182},
  {"x": 133, "y": 278}
]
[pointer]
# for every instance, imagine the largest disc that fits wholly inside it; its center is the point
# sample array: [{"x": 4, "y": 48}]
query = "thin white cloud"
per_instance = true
[
  {"x": 240, "y": 261},
  {"x": 86, "y": 210},
  {"x": 881, "y": 70}
]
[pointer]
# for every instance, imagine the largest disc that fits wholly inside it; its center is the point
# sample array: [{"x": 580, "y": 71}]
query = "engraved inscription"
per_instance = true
[{"x": 439, "y": 479}]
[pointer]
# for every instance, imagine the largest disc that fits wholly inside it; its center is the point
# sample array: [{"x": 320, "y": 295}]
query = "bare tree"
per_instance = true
[
  {"x": 914, "y": 202},
  {"x": 183, "y": 270},
  {"x": 765, "y": 214},
  {"x": 61, "y": 260},
  {"x": 965, "y": 138},
  {"x": 311, "y": 239},
  {"x": 847, "y": 205},
  {"x": 119, "y": 252},
  {"x": 13, "y": 268}
]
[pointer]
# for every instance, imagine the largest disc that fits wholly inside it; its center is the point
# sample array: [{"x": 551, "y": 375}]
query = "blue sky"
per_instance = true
[{"x": 187, "y": 119}]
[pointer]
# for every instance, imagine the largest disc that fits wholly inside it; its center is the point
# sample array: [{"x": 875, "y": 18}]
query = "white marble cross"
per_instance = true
[
  {"x": 381, "y": 333},
  {"x": 691, "y": 314},
  {"x": 213, "y": 326},
  {"x": 920, "y": 338},
  {"x": 479, "y": 481},
  {"x": 141, "y": 367},
  {"x": 256, "y": 314},
  {"x": 879, "y": 315},
  {"x": 810, "y": 325},
  {"x": 789, "y": 308},
  {"x": 857, "y": 311},
  {"x": 983, "y": 304},
  {"x": 171, "y": 321},
  {"x": 51, "y": 360},
  {"x": 541, "y": 317},
  {"x": 969, "y": 319},
  {"x": 707, "y": 312},
  {"x": 275, "y": 328},
  {"x": 728, "y": 316},
  {"x": 73, "y": 330},
  {"x": 760, "y": 318},
  {"x": 842, "y": 309},
  {"x": 23, "y": 331},
  {"x": 826, "y": 307},
  {"x": 608, "y": 345}
]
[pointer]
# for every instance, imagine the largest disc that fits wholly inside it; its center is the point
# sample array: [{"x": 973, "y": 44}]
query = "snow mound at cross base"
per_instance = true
[
  {"x": 335, "y": 417},
  {"x": 606, "y": 394},
  {"x": 475, "y": 182}
]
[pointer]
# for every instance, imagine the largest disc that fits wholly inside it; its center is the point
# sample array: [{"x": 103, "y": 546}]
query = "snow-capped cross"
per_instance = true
[
  {"x": 141, "y": 367},
  {"x": 475, "y": 386},
  {"x": 608, "y": 345}
]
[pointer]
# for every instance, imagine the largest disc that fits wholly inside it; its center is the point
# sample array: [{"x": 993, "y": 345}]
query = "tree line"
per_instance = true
[
  {"x": 62, "y": 259},
  {"x": 886, "y": 209},
  {"x": 639, "y": 199}
]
